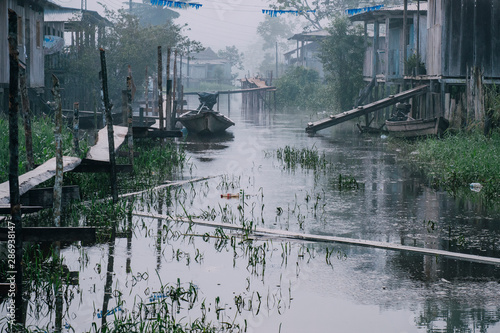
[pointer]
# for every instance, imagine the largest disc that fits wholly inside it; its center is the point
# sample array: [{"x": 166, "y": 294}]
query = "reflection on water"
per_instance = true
[{"x": 267, "y": 285}]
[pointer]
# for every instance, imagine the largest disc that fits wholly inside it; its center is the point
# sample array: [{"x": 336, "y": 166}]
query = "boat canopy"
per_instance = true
[{"x": 207, "y": 100}]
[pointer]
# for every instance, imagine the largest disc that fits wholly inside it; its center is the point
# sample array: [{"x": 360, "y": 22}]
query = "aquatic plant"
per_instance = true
[
  {"x": 343, "y": 183},
  {"x": 458, "y": 160},
  {"x": 306, "y": 158}
]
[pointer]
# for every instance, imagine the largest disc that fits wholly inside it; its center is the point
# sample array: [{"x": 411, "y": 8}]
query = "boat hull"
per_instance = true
[
  {"x": 205, "y": 122},
  {"x": 417, "y": 127}
]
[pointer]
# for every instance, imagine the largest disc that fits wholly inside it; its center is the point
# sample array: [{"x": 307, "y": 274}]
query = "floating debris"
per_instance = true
[
  {"x": 476, "y": 187},
  {"x": 110, "y": 312}
]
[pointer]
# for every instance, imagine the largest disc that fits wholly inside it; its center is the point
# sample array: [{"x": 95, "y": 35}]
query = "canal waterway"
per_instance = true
[{"x": 360, "y": 188}]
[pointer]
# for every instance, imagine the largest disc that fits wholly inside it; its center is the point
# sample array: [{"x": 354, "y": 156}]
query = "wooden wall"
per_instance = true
[
  {"x": 29, "y": 43},
  {"x": 470, "y": 35}
]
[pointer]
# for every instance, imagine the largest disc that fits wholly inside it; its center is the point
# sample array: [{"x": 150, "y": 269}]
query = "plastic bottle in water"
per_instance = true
[{"x": 476, "y": 187}]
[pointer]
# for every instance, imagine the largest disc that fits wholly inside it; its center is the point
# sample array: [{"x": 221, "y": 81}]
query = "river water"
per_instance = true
[{"x": 278, "y": 285}]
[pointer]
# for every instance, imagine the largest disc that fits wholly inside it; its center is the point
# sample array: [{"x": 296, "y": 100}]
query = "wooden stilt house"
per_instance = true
[
  {"x": 451, "y": 45},
  {"x": 30, "y": 46}
]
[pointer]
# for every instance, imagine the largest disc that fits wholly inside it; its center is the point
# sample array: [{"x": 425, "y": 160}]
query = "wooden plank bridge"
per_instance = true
[
  {"x": 313, "y": 127},
  {"x": 98, "y": 155}
]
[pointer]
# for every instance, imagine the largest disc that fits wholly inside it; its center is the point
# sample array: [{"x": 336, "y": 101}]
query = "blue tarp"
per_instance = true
[
  {"x": 175, "y": 4},
  {"x": 274, "y": 13},
  {"x": 355, "y": 11}
]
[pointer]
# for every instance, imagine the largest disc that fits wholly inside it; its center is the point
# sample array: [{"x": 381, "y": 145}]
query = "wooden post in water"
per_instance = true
[
  {"x": 182, "y": 105},
  {"x": 160, "y": 96},
  {"x": 102, "y": 105},
  {"x": 405, "y": 37},
  {"x": 57, "y": 202},
  {"x": 109, "y": 121},
  {"x": 27, "y": 120},
  {"x": 124, "y": 107},
  {"x": 15, "y": 201},
  {"x": 58, "y": 180},
  {"x": 169, "y": 88},
  {"x": 174, "y": 89},
  {"x": 76, "y": 127},
  {"x": 146, "y": 93},
  {"x": 130, "y": 121},
  {"x": 109, "y": 277}
]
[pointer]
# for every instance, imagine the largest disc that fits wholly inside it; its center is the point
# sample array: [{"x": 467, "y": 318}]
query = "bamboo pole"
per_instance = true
[
  {"x": 169, "y": 88},
  {"x": 27, "y": 120},
  {"x": 329, "y": 239},
  {"x": 15, "y": 201},
  {"x": 109, "y": 121},
  {"x": 130, "y": 121},
  {"x": 160, "y": 96},
  {"x": 76, "y": 127}
]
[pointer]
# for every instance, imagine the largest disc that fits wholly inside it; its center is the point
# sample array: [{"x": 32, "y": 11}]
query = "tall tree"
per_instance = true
[
  {"x": 127, "y": 42},
  {"x": 233, "y": 56},
  {"x": 342, "y": 54},
  {"x": 275, "y": 30},
  {"x": 318, "y": 12}
]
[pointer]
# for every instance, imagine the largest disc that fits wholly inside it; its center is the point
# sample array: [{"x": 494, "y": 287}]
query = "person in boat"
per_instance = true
[{"x": 207, "y": 100}]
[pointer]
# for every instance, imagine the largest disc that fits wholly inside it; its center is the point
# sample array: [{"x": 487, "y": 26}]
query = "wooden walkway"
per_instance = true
[
  {"x": 239, "y": 91},
  {"x": 313, "y": 127},
  {"x": 99, "y": 152},
  {"x": 37, "y": 176},
  {"x": 278, "y": 233}
]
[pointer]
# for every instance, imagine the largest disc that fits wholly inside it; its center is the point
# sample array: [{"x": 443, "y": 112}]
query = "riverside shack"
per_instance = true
[
  {"x": 456, "y": 43},
  {"x": 30, "y": 46}
]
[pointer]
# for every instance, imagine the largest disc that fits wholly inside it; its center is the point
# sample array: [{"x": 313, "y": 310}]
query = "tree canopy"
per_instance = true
[
  {"x": 318, "y": 12},
  {"x": 127, "y": 42},
  {"x": 275, "y": 30},
  {"x": 342, "y": 54},
  {"x": 233, "y": 56}
]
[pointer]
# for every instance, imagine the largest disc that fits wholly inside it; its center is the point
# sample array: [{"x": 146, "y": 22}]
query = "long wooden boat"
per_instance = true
[
  {"x": 205, "y": 121},
  {"x": 413, "y": 128}
]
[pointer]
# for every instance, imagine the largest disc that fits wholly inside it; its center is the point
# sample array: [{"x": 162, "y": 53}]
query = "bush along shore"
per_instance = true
[{"x": 462, "y": 163}]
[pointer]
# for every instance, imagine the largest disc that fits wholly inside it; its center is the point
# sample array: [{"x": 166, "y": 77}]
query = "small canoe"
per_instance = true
[
  {"x": 413, "y": 128},
  {"x": 205, "y": 122}
]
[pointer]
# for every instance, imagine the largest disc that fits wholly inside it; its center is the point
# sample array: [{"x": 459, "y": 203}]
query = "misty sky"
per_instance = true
[{"x": 216, "y": 24}]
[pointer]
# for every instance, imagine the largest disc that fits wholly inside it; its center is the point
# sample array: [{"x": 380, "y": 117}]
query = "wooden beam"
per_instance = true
[
  {"x": 146, "y": 132},
  {"x": 332, "y": 239},
  {"x": 52, "y": 234},
  {"x": 44, "y": 197},
  {"x": 312, "y": 127},
  {"x": 6, "y": 210},
  {"x": 239, "y": 91}
]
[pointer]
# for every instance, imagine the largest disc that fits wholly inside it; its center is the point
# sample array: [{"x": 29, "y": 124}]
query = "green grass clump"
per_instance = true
[
  {"x": 305, "y": 158},
  {"x": 42, "y": 129},
  {"x": 458, "y": 160}
]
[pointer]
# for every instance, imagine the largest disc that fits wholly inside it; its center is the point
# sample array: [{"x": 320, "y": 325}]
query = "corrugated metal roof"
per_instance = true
[
  {"x": 67, "y": 14},
  {"x": 62, "y": 16},
  {"x": 310, "y": 36}
]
